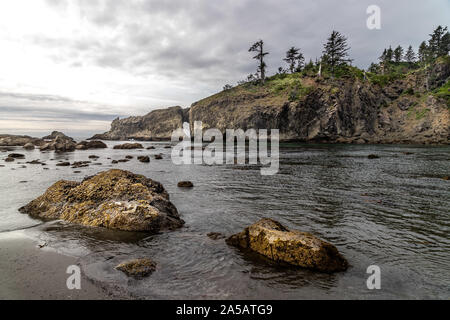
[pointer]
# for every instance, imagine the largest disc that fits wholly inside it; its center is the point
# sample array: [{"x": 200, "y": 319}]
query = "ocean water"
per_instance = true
[{"x": 392, "y": 212}]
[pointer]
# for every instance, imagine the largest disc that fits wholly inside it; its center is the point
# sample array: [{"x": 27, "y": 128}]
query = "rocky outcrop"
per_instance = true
[
  {"x": 113, "y": 199},
  {"x": 156, "y": 125},
  {"x": 14, "y": 140},
  {"x": 94, "y": 144},
  {"x": 59, "y": 142},
  {"x": 56, "y": 134},
  {"x": 129, "y": 146},
  {"x": 274, "y": 241}
]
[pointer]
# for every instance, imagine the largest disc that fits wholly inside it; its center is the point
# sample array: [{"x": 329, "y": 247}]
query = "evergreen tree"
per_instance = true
[
  {"x": 438, "y": 43},
  {"x": 259, "y": 48},
  {"x": 383, "y": 57},
  {"x": 398, "y": 54},
  {"x": 335, "y": 51},
  {"x": 291, "y": 58},
  {"x": 410, "y": 56},
  {"x": 389, "y": 54},
  {"x": 423, "y": 53}
]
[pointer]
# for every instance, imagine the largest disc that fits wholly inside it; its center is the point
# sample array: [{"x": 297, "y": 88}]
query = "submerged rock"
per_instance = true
[
  {"x": 215, "y": 235},
  {"x": 128, "y": 146},
  {"x": 271, "y": 239},
  {"x": 113, "y": 199},
  {"x": 137, "y": 268},
  {"x": 373, "y": 156},
  {"x": 9, "y": 159},
  {"x": 185, "y": 184},
  {"x": 158, "y": 157}
]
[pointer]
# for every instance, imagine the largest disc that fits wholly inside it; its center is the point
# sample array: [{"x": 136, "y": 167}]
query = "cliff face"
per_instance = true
[
  {"x": 348, "y": 110},
  {"x": 156, "y": 125}
]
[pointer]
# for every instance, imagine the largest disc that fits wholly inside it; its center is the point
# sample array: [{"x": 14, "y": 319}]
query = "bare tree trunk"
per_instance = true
[{"x": 261, "y": 66}]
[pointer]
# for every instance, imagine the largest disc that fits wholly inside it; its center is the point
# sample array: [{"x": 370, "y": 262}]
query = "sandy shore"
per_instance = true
[{"x": 28, "y": 272}]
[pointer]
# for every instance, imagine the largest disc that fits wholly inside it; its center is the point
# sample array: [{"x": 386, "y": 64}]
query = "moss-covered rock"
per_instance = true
[
  {"x": 271, "y": 239},
  {"x": 137, "y": 268},
  {"x": 113, "y": 199}
]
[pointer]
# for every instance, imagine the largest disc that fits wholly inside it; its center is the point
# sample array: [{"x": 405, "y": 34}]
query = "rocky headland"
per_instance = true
[{"x": 410, "y": 107}]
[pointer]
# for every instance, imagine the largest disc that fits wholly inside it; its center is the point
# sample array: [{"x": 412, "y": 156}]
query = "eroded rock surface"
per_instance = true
[
  {"x": 271, "y": 239},
  {"x": 113, "y": 199}
]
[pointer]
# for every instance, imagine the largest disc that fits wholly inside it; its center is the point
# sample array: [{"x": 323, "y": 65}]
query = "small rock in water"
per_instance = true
[
  {"x": 137, "y": 268},
  {"x": 9, "y": 159},
  {"x": 114, "y": 162},
  {"x": 16, "y": 156},
  {"x": 215, "y": 235},
  {"x": 29, "y": 146},
  {"x": 129, "y": 157},
  {"x": 93, "y": 157},
  {"x": 144, "y": 159},
  {"x": 129, "y": 146},
  {"x": 158, "y": 157},
  {"x": 373, "y": 156},
  {"x": 63, "y": 164},
  {"x": 151, "y": 148},
  {"x": 274, "y": 241},
  {"x": 185, "y": 184}
]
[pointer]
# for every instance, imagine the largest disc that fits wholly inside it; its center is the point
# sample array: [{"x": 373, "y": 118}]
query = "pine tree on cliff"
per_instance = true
[
  {"x": 389, "y": 54},
  {"x": 439, "y": 43},
  {"x": 410, "y": 56},
  {"x": 291, "y": 58},
  {"x": 398, "y": 54},
  {"x": 423, "y": 53},
  {"x": 295, "y": 60},
  {"x": 259, "y": 48},
  {"x": 336, "y": 50}
]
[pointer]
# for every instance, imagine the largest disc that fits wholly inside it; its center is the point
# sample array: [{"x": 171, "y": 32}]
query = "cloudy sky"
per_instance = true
[{"x": 74, "y": 65}]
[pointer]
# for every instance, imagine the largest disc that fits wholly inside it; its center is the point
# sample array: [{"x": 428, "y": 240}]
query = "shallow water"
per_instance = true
[{"x": 392, "y": 212}]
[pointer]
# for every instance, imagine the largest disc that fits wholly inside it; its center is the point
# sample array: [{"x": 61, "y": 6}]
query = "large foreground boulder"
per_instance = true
[
  {"x": 114, "y": 199},
  {"x": 276, "y": 242}
]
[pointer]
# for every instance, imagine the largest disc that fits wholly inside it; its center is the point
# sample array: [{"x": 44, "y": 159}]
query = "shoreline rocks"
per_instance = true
[
  {"x": 114, "y": 199},
  {"x": 9, "y": 140},
  {"x": 274, "y": 241}
]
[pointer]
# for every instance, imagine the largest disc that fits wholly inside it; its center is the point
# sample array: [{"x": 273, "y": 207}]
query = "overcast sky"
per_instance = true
[{"x": 74, "y": 65}]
